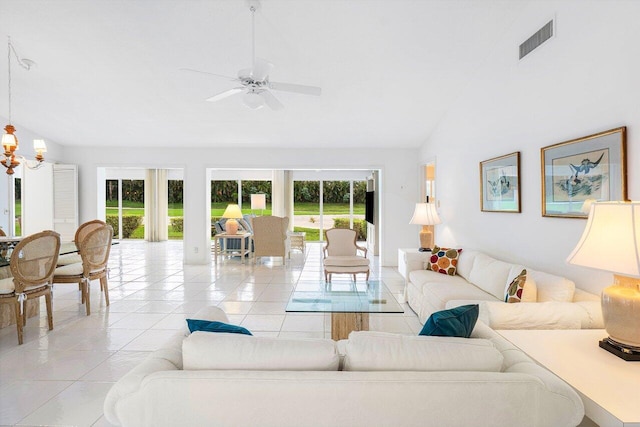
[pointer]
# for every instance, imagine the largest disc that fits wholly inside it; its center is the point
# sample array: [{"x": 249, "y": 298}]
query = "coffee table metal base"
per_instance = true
[{"x": 343, "y": 323}]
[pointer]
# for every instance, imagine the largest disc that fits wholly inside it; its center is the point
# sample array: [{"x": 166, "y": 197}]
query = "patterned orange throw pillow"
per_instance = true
[
  {"x": 444, "y": 260},
  {"x": 516, "y": 288}
]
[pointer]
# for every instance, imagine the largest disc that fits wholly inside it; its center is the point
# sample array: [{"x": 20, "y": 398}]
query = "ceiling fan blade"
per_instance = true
[
  {"x": 225, "y": 94},
  {"x": 271, "y": 100},
  {"x": 261, "y": 69},
  {"x": 208, "y": 73},
  {"x": 290, "y": 87}
]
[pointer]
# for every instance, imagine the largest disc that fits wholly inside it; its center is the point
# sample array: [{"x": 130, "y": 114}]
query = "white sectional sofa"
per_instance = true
[
  {"x": 481, "y": 279},
  {"x": 371, "y": 379}
]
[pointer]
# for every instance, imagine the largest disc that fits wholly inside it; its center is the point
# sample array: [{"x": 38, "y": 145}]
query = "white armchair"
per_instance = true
[{"x": 341, "y": 254}]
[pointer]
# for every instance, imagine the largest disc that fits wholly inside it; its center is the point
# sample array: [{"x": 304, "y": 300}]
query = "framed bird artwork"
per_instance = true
[
  {"x": 581, "y": 171},
  {"x": 500, "y": 184}
]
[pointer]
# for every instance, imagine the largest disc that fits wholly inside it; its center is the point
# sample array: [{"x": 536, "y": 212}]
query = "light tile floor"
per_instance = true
[{"x": 61, "y": 377}]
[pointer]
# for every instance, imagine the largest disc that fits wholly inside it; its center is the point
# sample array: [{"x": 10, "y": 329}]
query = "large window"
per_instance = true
[
  {"x": 125, "y": 207},
  {"x": 176, "y": 208},
  {"x": 321, "y": 205}
]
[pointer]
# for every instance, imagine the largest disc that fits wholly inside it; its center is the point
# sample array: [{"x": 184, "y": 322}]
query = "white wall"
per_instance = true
[
  {"x": 25, "y": 141},
  {"x": 399, "y": 182},
  {"x": 583, "y": 81}
]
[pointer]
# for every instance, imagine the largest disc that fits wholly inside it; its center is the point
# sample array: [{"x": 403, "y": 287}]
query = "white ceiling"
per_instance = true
[{"x": 108, "y": 73}]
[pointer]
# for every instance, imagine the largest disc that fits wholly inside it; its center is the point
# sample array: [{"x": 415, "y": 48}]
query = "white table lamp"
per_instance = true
[
  {"x": 611, "y": 242},
  {"x": 232, "y": 213},
  {"x": 425, "y": 214}
]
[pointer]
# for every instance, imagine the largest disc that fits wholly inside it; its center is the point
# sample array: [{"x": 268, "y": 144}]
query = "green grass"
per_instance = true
[
  {"x": 313, "y": 234},
  {"x": 217, "y": 210}
]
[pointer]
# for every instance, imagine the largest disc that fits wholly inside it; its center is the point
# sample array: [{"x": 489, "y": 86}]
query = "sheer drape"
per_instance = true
[{"x": 156, "y": 204}]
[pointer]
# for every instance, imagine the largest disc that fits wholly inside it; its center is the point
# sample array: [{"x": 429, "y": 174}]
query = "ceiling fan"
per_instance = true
[{"x": 254, "y": 82}]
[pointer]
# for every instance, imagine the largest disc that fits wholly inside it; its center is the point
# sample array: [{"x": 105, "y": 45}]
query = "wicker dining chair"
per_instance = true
[
  {"x": 81, "y": 233},
  {"x": 94, "y": 249},
  {"x": 32, "y": 264}
]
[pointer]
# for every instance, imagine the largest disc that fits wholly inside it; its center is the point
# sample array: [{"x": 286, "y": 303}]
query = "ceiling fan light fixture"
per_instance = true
[{"x": 253, "y": 100}]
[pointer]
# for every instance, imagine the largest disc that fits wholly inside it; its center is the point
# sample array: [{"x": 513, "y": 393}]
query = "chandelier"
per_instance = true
[{"x": 9, "y": 140}]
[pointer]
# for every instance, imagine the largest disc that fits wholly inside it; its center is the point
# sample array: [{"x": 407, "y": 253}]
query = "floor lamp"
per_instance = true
[{"x": 259, "y": 201}]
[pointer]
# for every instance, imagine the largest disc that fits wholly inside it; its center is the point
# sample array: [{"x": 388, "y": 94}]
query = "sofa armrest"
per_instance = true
[
  {"x": 166, "y": 359},
  {"x": 410, "y": 261}
]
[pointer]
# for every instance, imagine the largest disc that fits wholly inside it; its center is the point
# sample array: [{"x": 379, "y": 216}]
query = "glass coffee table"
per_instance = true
[{"x": 349, "y": 304}]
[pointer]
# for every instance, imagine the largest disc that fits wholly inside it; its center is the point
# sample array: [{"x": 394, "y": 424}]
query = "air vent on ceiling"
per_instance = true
[{"x": 541, "y": 36}]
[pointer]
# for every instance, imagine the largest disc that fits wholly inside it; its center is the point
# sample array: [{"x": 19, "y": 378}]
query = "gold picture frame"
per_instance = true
[
  {"x": 582, "y": 170},
  {"x": 500, "y": 184}
]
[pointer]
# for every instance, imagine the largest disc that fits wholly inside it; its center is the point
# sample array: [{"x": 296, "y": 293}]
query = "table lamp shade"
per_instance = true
[
  {"x": 258, "y": 201},
  {"x": 611, "y": 239},
  {"x": 611, "y": 242},
  {"x": 425, "y": 214},
  {"x": 232, "y": 213}
]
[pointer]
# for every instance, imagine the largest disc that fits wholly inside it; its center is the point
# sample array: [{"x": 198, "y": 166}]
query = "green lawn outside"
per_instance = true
[{"x": 217, "y": 210}]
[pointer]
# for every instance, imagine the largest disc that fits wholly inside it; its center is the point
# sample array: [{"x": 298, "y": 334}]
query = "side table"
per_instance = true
[
  {"x": 607, "y": 384},
  {"x": 296, "y": 241},
  {"x": 221, "y": 239}
]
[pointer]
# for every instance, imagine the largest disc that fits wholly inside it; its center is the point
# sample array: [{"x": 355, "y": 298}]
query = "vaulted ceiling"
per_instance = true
[{"x": 108, "y": 71}]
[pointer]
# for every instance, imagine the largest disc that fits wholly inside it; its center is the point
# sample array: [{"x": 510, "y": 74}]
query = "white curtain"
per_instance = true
[{"x": 156, "y": 205}]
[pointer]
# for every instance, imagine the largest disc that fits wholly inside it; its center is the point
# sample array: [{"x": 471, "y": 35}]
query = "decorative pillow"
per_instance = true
[
  {"x": 443, "y": 260},
  {"x": 213, "y": 326},
  {"x": 456, "y": 322},
  {"x": 516, "y": 288}
]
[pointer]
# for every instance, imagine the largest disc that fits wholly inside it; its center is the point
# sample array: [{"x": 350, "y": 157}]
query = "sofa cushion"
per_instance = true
[
  {"x": 443, "y": 260},
  {"x": 520, "y": 286},
  {"x": 465, "y": 263},
  {"x": 546, "y": 315},
  {"x": 490, "y": 275},
  {"x": 215, "y": 326},
  {"x": 440, "y": 292},
  {"x": 420, "y": 277},
  {"x": 551, "y": 287},
  {"x": 380, "y": 351},
  {"x": 202, "y": 350},
  {"x": 455, "y": 322}
]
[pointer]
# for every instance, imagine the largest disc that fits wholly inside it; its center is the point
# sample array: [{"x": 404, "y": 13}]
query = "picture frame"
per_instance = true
[
  {"x": 583, "y": 170},
  {"x": 500, "y": 184}
]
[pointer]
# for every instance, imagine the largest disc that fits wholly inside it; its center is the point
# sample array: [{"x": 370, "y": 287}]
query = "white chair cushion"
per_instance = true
[
  {"x": 381, "y": 351},
  {"x": 209, "y": 350},
  {"x": 7, "y": 286},
  {"x": 72, "y": 270},
  {"x": 346, "y": 261},
  {"x": 67, "y": 259}
]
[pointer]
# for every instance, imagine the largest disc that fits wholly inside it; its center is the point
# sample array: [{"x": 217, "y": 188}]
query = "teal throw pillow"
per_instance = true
[
  {"x": 456, "y": 322},
  {"x": 212, "y": 326}
]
